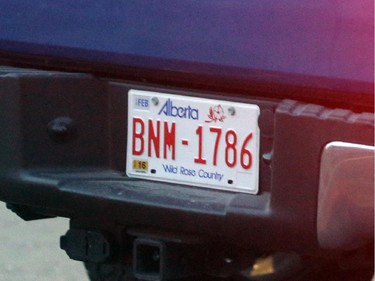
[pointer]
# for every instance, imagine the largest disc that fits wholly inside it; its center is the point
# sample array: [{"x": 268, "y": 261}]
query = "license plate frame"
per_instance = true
[{"x": 210, "y": 143}]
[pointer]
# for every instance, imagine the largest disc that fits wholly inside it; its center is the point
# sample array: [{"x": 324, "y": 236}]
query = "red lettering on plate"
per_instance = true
[
  {"x": 200, "y": 159},
  {"x": 154, "y": 138},
  {"x": 246, "y": 153},
  {"x": 217, "y": 141},
  {"x": 170, "y": 139},
  {"x": 138, "y": 136},
  {"x": 231, "y": 142}
]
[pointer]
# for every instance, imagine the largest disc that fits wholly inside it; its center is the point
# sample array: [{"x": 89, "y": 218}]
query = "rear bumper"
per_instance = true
[{"x": 82, "y": 175}]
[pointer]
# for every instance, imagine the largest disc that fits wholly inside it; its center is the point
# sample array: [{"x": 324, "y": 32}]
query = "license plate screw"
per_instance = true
[
  {"x": 228, "y": 260},
  {"x": 155, "y": 101},
  {"x": 231, "y": 110}
]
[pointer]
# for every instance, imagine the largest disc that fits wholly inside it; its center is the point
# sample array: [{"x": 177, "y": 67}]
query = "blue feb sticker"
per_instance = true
[{"x": 142, "y": 102}]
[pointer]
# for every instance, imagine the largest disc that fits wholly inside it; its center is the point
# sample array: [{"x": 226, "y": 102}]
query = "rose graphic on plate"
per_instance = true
[{"x": 216, "y": 114}]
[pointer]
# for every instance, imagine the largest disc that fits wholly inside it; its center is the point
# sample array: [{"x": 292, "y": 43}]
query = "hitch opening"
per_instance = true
[{"x": 149, "y": 257}]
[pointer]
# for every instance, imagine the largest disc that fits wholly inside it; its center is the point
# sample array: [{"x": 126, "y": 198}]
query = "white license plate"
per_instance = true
[{"x": 194, "y": 141}]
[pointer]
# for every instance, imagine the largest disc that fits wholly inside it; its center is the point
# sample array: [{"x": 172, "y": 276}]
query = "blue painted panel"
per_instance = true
[{"x": 329, "y": 38}]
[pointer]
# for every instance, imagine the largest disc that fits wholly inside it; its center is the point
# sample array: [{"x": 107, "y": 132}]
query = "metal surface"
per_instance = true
[
  {"x": 193, "y": 141},
  {"x": 346, "y": 195},
  {"x": 315, "y": 38},
  {"x": 316, "y": 52}
]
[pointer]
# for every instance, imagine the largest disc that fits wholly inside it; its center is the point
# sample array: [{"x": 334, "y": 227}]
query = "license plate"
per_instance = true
[{"x": 194, "y": 141}]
